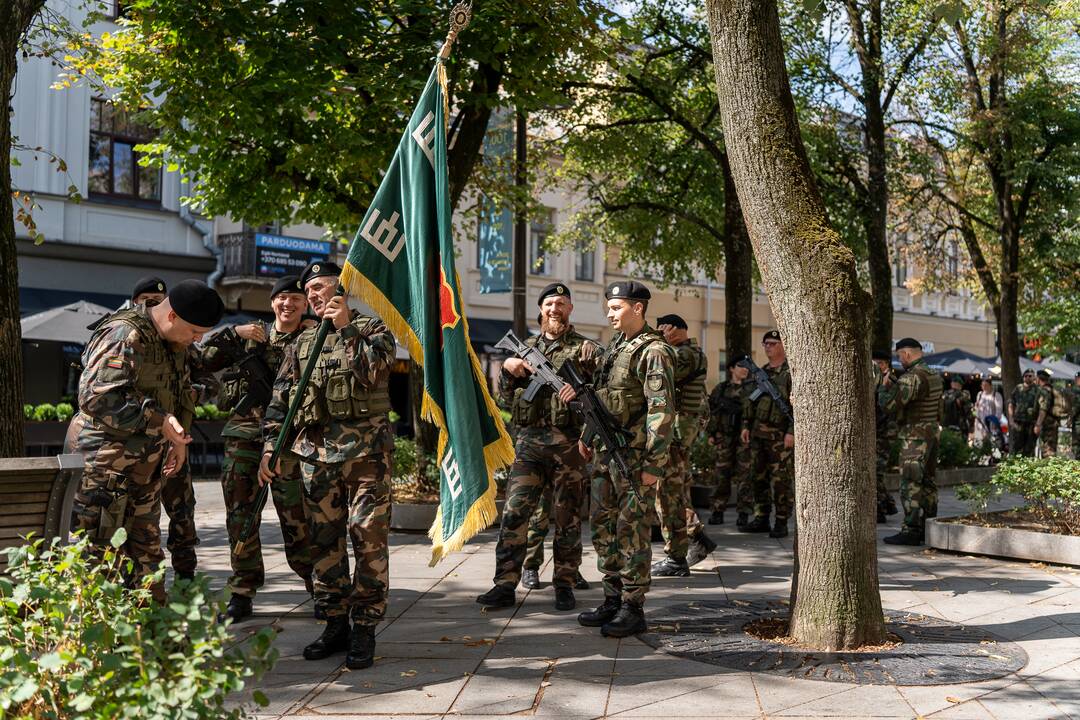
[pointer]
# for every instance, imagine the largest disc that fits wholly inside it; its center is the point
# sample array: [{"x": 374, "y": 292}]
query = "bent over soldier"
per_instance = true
[
  {"x": 635, "y": 382},
  {"x": 253, "y": 353},
  {"x": 915, "y": 400},
  {"x": 344, "y": 440},
  {"x": 546, "y": 456},
  {"x": 135, "y": 405},
  {"x": 679, "y": 522}
]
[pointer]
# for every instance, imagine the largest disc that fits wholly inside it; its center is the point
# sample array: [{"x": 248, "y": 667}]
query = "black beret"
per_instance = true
[
  {"x": 673, "y": 320},
  {"x": 287, "y": 284},
  {"x": 908, "y": 343},
  {"x": 771, "y": 335},
  {"x": 627, "y": 290},
  {"x": 881, "y": 355},
  {"x": 319, "y": 268},
  {"x": 735, "y": 360},
  {"x": 553, "y": 289},
  {"x": 196, "y": 303},
  {"x": 1043, "y": 374},
  {"x": 148, "y": 284}
]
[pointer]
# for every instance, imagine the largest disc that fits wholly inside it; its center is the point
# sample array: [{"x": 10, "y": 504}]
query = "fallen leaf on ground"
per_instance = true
[
  {"x": 950, "y": 698},
  {"x": 408, "y": 673}
]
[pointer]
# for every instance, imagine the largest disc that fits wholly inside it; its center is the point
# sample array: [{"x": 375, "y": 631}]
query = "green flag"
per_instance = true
[{"x": 401, "y": 263}]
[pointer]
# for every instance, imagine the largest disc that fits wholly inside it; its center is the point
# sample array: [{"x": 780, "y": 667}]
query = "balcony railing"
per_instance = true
[{"x": 262, "y": 257}]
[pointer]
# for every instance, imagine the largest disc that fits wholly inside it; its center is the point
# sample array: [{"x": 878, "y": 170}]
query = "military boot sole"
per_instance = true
[
  {"x": 598, "y": 620},
  {"x": 620, "y": 632},
  {"x": 325, "y": 651},
  {"x": 359, "y": 662},
  {"x": 904, "y": 539},
  {"x": 667, "y": 571}
]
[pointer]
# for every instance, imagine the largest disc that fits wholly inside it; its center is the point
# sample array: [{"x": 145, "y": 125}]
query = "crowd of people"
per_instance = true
[{"x": 145, "y": 368}]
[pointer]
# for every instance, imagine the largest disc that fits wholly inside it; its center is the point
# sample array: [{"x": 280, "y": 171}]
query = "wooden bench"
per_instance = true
[{"x": 35, "y": 497}]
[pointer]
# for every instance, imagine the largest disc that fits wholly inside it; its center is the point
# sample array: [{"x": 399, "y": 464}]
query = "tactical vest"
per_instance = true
[
  {"x": 767, "y": 412},
  {"x": 1026, "y": 403},
  {"x": 163, "y": 372},
  {"x": 546, "y": 408},
  {"x": 333, "y": 392},
  {"x": 235, "y": 387},
  {"x": 691, "y": 400},
  {"x": 926, "y": 406},
  {"x": 617, "y": 387}
]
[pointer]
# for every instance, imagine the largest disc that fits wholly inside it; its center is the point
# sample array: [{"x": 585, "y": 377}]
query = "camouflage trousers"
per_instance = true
[
  {"x": 120, "y": 487},
  {"x": 918, "y": 467},
  {"x": 678, "y": 519},
  {"x": 881, "y": 466},
  {"x": 350, "y": 501},
  {"x": 556, "y": 467},
  {"x": 733, "y": 469},
  {"x": 621, "y": 533},
  {"x": 239, "y": 485},
  {"x": 178, "y": 501},
  {"x": 1048, "y": 438},
  {"x": 773, "y": 469},
  {"x": 538, "y": 530},
  {"x": 1022, "y": 439}
]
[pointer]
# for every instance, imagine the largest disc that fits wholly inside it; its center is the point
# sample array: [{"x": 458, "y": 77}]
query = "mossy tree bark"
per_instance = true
[
  {"x": 738, "y": 271},
  {"x": 813, "y": 287},
  {"x": 15, "y": 18}
]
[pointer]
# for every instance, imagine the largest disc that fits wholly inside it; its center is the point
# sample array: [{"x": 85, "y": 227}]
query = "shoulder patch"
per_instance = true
[{"x": 115, "y": 362}]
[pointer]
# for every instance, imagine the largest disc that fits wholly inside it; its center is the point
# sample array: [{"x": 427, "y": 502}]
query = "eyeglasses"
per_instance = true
[{"x": 768, "y": 343}]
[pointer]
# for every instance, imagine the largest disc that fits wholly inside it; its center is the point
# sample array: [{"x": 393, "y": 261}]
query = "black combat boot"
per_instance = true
[
  {"x": 580, "y": 583},
  {"x": 564, "y": 598},
  {"x": 759, "y": 524},
  {"x": 905, "y": 537},
  {"x": 498, "y": 597},
  {"x": 741, "y": 520},
  {"x": 890, "y": 505},
  {"x": 701, "y": 545},
  {"x": 717, "y": 517},
  {"x": 670, "y": 567},
  {"x": 607, "y": 610},
  {"x": 530, "y": 578},
  {"x": 779, "y": 528},
  {"x": 630, "y": 620},
  {"x": 361, "y": 647},
  {"x": 334, "y": 639},
  {"x": 239, "y": 607}
]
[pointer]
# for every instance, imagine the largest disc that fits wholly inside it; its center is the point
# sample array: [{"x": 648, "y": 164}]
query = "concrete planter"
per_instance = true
[
  {"x": 1003, "y": 542},
  {"x": 950, "y": 477},
  {"x": 420, "y": 516}
]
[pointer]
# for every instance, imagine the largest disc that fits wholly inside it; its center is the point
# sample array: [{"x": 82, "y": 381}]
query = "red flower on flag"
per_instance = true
[{"x": 448, "y": 315}]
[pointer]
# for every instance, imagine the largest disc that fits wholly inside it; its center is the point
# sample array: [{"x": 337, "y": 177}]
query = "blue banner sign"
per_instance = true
[{"x": 278, "y": 255}]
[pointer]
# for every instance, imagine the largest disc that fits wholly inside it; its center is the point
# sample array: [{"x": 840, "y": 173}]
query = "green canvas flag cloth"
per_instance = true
[{"x": 401, "y": 263}]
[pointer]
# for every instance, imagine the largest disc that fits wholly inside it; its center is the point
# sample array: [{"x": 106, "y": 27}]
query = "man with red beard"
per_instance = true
[{"x": 546, "y": 455}]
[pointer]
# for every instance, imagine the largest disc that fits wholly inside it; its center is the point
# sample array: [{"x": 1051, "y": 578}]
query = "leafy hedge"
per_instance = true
[
  {"x": 76, "y": 643},
  {"x": 1050, "y": 488}
]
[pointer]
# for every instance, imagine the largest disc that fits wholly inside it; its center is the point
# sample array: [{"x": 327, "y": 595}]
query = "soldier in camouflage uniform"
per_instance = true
[
  {"x": 1073, "y": 394},
  {"x": 885, "y": 435},
  {"x": 732, "y": 458},
  {"x": 262, "y": 348},
  {"x": 1025, "y": 416},
  {"x": 534, "y": 545},
  {"x": 546, "y": 455},
  {"x": 135, "y": 407},
  {"x": 956, "y": 407},
  {"x": 682, "y": 529},
  {"x": 770, "y": 436},
  {"x": 635, "y": 381},
  {"x": 344, "y": 440},
  {"x": 1049, "y": 411},
  {"x": 915, "y": 400}
]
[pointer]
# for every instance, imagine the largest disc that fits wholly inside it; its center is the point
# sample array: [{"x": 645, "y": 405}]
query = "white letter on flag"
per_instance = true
[
  {"x": 453, "y": 475},
  {"x": 426, "y": 140},
  {"x": 384, "y": 236}
]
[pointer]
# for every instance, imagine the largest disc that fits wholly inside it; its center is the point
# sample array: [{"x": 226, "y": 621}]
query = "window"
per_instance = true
[
  {"x": 538, "y": 235},
  {"x": 114, "y": 161},
  {"x": 952, "y": 259},
  {"x": 585, "y": 263}
]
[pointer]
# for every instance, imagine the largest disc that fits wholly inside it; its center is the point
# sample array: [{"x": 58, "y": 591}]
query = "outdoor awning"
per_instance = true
[
  {"x": 65, "y": 324},
  {"x": 1060, "y": 369},
  {"x": 960, "y": 362}
]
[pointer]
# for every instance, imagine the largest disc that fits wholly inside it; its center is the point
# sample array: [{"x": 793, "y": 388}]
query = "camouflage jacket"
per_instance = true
[
  {"x": 692, "y": 405},
  {"x": 1025, "y": 401},
  {"x": 761, "y": 416},
  {"x": 651, "y": 373},
  {"x": 534, "y": 419},
  {"x": 228, "y": 349},
  {"x": 1073, "y": 392},
  {"x": 956, "y": 409},
  {"x": 725, "y": 411},
  {"x": 915, "y": 401},
  {"x": 885, "y": 423},
  {"x": 115, "y": 395},
  {"x": 368, "y": 349}
]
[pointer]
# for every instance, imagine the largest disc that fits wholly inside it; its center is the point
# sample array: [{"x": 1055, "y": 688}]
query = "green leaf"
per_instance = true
[
  {"x": 24, "y": 691},
  {"x": 119, "y": 538},
  {"x": 260, "y": 698},
  {"x": 50, "y": 661}
]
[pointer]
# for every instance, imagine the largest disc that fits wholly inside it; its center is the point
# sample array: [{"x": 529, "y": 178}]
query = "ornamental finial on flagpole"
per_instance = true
[{"x": 460, "y": 15}]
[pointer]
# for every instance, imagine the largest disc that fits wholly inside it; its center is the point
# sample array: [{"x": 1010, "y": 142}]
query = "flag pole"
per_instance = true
[{"x": 460, "y": 15}]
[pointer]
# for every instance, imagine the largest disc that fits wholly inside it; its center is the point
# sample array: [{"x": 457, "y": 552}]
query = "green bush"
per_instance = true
[
  {"x": 404, "y": 458},
  {"x": 64, "y": 411},
  {"x": 28, "y": 412},
  {"x": 953, "y": 450},
  {"x": 394, "y": 416},
  {"x": 978, "y": 496},
  {"x": 200, "y": 413},
  {"x": 44, "y": 412},
  {"x": 209, "y": 411},
  {"x": 76, "y": 643},
  {"x": 702, "y": 460},
  {"x": 1049, "y": 486}
]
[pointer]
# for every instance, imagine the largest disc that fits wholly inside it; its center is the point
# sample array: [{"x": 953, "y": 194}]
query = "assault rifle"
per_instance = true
[
  {"x": 251, "y": 367},
  {"x": 765, "y": 387},
  {"x": 599, "y": 422}
]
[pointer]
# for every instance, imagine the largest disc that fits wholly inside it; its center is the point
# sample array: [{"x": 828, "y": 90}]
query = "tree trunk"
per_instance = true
[
  {"x": 738, "y": 272},
  {"x": 14, "y": 19},
  {"x": 814, "y": 290},
  {"x": 875, "y": 213},
  {"x": 464, "y": 144},
  {"x": 1008, "y": 322},
  {"x": 425, "y": 433}
]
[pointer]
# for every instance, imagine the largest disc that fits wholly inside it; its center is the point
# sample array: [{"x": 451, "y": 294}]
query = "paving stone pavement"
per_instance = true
[{"x": 440, "y": 656}]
